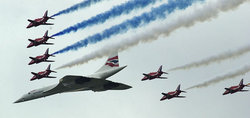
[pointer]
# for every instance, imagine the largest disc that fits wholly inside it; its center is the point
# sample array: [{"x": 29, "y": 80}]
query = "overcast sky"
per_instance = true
[{"x": 229, "y": 31}]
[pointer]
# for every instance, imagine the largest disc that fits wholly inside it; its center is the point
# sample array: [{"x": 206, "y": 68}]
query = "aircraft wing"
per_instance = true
[
  {"x": 109, "y": 85},
  {"x": 180, "y": 96},
  {"x": 71, "y": 83},
  {"x": 32, "y": 21},
  {"x": 68, "y": 84},
  {"x": 163, "y": 77},
  {"x": 49, "y": 61},
  {"x": 147, "y": 75},
  {"x": 48, "y": 24},
  {"x": 48, "y": 43},
  {"x": 49, "y": 77},
  {"x": 243, "y": 90}
]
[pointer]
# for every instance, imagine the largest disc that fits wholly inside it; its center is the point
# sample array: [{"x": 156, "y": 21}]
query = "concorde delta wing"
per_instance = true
[{"x": 72, "y": 83}]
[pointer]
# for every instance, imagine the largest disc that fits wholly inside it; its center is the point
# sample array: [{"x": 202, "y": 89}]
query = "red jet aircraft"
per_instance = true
[
  {"x": 43, "y": 74},
  {"x": 40, "y": 21},
  {"x": 42, "y": 58},
  {"x": 173, "y": 94},
  {"x": 154, "y": 75},
  {"x": 40, "y": 41},
  {"x": 234, "y": 89}
]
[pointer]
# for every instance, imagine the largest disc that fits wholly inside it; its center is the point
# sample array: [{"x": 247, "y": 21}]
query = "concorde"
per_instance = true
[{"x": 71, "y": 83}]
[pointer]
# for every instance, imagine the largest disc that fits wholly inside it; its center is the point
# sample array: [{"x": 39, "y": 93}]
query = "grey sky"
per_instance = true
[{"x": 229, "y": 31}]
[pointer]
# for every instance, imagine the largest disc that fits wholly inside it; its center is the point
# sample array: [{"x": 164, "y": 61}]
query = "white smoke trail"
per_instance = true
[
  {"x": 186, "y": 18},
  {"x": 230, "y": 75},
  {"x": 214, "y": 59}
]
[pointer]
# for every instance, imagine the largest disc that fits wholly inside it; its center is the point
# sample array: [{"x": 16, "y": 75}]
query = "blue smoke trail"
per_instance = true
[
  {"x": 125, "y": 8},
  {"x": 75, "y": 7},
  {"x": 145, "y": 18}
]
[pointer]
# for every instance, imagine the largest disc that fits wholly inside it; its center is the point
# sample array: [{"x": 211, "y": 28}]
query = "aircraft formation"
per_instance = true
[
  {"x": 95, "y": 82},
  {"x": 70, "y": 83},
  {"x": 157, "y": 75},
  {"x": 41, "y": 41},
  {"x": 176, "y": 93}
]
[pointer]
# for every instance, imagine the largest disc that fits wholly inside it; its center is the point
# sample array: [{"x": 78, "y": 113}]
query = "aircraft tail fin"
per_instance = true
[
  {"x": 45, "y": 14},
  {"x": 46, "y": 34},
  {"x": 178, "y": 88},
  {"x": 112, "y": 62},
  {"x": 110, "y": 68},
  {"x": 241, "y": 82},
  {"x": 47, "y": 52},
  {"x": 160, "y": 70},
  {"x": 48, "y": 68}
]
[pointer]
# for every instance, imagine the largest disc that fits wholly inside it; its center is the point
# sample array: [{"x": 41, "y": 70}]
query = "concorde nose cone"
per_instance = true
[{"x": 19, "y": 100}]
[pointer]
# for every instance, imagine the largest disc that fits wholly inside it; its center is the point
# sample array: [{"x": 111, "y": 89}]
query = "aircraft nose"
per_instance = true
[
  {"x": 30, "y": 63},
  {"x": 19, "y": 100},
  {"x": 33, "y": 78}
]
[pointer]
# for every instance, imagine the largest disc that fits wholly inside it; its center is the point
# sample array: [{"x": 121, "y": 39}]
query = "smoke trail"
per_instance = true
[
  {"x": 230, "y": 75},
  {"x": 75, "y": 7},
  {"x": 125, "y": 8},
  {"x": 135, "y": 22},
  {"x": 187, "y": 18},
  {"x": 214, "y": 59}
]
